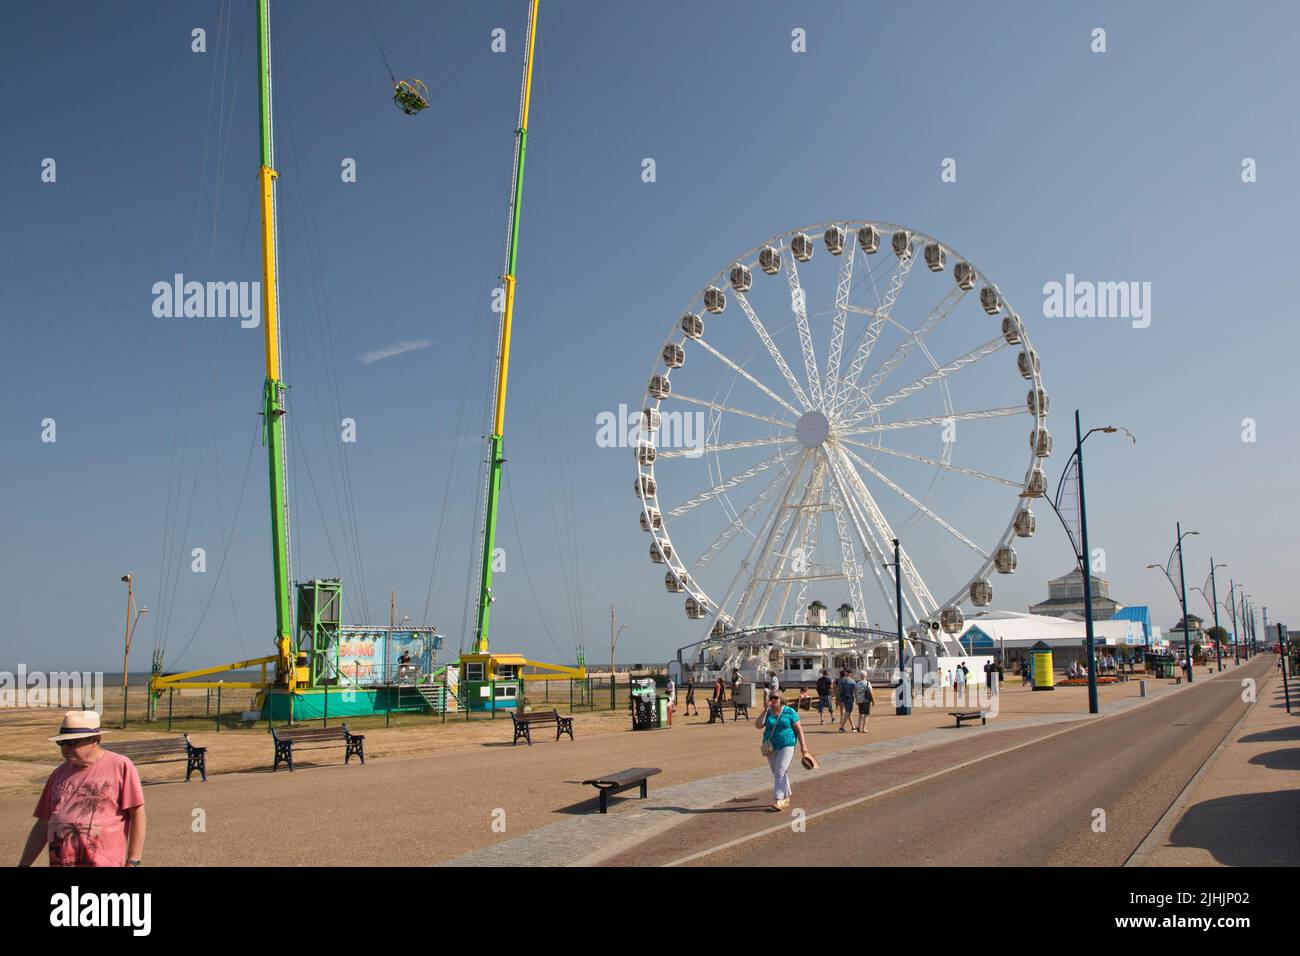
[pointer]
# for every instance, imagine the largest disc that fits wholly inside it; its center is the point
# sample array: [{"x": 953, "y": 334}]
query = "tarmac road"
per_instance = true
[{"x": 1034, "y": 806}]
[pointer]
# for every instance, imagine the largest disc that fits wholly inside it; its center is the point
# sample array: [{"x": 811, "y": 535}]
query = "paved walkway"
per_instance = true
[
  {"x": 596, "y": 838},
  {"x": 1241, "y": 809}
]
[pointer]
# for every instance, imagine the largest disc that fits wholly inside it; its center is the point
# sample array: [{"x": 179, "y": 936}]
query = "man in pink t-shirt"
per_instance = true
[{"x": 91, "y": 812}]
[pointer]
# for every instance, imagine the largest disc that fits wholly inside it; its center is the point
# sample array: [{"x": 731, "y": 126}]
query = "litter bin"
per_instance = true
[{"x": 663, "y": 711}]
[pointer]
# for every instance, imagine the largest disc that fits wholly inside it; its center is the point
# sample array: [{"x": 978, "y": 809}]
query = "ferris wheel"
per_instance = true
[{"x": 817, "y": 400}]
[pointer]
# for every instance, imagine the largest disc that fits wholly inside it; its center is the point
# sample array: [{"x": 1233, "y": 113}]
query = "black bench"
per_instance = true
[
  {"x": 165, "y": 750},
  {"x": 980, "y": 715},
  {"x": 524, "y": 724},
  {"x": 618, "y": 782},
  {"x": 738, "y": 709},
  {"x": 313, "y": 737}
]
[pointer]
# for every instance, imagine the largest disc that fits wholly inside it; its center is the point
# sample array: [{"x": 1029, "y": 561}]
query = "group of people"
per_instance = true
[{"x": 845, "y": 694}]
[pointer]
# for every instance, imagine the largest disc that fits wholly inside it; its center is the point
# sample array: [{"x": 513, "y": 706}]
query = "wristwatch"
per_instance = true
[{"x": 132, "y": 862}]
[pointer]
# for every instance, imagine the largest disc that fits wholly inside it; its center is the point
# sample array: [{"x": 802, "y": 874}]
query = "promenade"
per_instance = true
[{"x": 486, "y": 802}]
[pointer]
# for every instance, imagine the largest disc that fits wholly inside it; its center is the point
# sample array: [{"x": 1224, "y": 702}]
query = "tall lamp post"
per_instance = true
[
  {"x": 1081, "y": 552},
  {"x": 1180, "y": 591},
  {"x": 1232, "y": 610},
  {"x": 904, "y": 706},
  {"x": 613, "y": 642},
  {"x": 130, "y": 629},
  {"x": 1212, "y": 600}
]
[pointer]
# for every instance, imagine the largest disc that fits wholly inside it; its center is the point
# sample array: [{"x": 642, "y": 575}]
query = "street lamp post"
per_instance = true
[
  {"x": 1214, "y": 591},
  {"x": 1232, "y": 609},
  {"x": 130, "y": 629},
  {"x": 613, "y": 642},
  {"x": 1180, "y": 591},
  {"x": 1081, "y": 551},
  {"x": 1182, "y": 581},
  {"x": 904, "y": 706}
]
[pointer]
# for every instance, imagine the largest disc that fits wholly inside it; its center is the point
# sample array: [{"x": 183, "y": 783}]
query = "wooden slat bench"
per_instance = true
[
  {"x": 738, "y": 710},
  {"x": 314, "y": 737},
  {"x": 980, "y": 715},
  {"x": 164, "y": 750},
  {"x": 524, "y": 724},
  {"x": 623, "y": 780}
]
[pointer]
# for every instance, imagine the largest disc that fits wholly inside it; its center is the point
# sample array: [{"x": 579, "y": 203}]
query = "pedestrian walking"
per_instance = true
[
  {"x": 91, "y": 812},
  {"x": 670, "y": 691},
  {"x": 864, "y": 696},
  {"x": 824, "y": 697},
  {"x": 781, "y": 734},
  {"x": 847, "y": 684},
  {"x": 690, "y": 700},
  {"x": 959, "y": 682}
]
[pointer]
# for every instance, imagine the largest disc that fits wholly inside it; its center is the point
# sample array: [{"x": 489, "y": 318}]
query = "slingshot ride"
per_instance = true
[
  {"x": 838, "y": 408},
  {"x": 316, "y": 655}
]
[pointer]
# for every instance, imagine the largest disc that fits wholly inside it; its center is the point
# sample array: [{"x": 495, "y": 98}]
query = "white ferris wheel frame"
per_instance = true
[{"x": 833, "y": 389}]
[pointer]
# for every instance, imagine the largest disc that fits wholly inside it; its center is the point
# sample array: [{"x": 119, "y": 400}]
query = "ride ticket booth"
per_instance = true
[
  {"x": 1040, "y": 656},
  {"x": 491, "y": 681}
]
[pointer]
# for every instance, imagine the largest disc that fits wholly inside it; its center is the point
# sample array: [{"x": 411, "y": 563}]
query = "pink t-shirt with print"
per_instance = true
[{"x": 85, "y": 811}]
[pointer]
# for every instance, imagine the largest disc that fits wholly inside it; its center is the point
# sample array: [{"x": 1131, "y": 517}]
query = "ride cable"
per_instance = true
[{"x": 495, "y": 440}]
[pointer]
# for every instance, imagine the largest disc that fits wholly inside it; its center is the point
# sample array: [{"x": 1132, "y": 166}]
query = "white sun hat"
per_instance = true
[{"x": 78, "y": 724}]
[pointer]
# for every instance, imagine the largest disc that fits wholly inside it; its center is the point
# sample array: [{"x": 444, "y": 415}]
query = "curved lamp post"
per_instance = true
[
  {"x": 1080, "y": 546},
  {"x": 1180, "y": 591}
]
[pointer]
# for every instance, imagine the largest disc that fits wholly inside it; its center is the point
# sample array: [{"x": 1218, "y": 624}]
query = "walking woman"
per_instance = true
[{"x": 781, "y": 732}]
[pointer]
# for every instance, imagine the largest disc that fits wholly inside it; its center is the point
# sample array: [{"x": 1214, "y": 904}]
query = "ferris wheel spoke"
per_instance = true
[
  {"x": 867, "y": 502},
  {"x": 925, "y": 381},
  {"x": 913, "y": 337},
  {"x": 735, "y": 526},
  {"x": 935, "y": 461},
  {"x": 724, "y": 446},
  {"x": 799, "y": 305},
  {"x": 772, "y": 350},
  {"x": 776, "y": 559},
  {"x": 749, "y": 378},
  {"x": 916, "y": 503},
  {"x": 935, "y": 420},
  {"x": 848, "y": 555},
  {"x": 842, "y": 289},
  {"x": 729, "y": 410},
  {"x": 896, "y": 282},
  {"x": 776, "y": 520},
  {"x": 862, "y": 518},
  {"x": 729, "y": 483}
]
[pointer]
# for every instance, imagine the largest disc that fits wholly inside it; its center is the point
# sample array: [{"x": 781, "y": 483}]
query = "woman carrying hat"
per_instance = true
[
  {"x": 91, "y": 812},
  {"x": 781, "y": 732}
]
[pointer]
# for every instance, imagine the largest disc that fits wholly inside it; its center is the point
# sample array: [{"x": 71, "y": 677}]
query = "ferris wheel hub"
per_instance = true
[{"x": 812, "y": 429}]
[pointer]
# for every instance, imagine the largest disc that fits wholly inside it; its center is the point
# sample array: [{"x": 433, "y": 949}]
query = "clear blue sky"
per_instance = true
[{"x": 1117, "y": 166}]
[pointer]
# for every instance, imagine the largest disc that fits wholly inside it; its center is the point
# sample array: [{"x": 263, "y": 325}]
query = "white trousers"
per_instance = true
[{"x": 779, "y": 761}]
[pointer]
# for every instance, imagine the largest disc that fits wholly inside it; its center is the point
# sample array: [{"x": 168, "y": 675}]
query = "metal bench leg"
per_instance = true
[
  {"x": 604, "y": 800},
  {"x": 644, "y": 790}
]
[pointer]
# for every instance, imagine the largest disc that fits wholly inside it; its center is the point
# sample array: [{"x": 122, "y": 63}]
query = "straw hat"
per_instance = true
[
  {"x": 810, "y": 762},
  {"x": 78, "y": 724}
]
